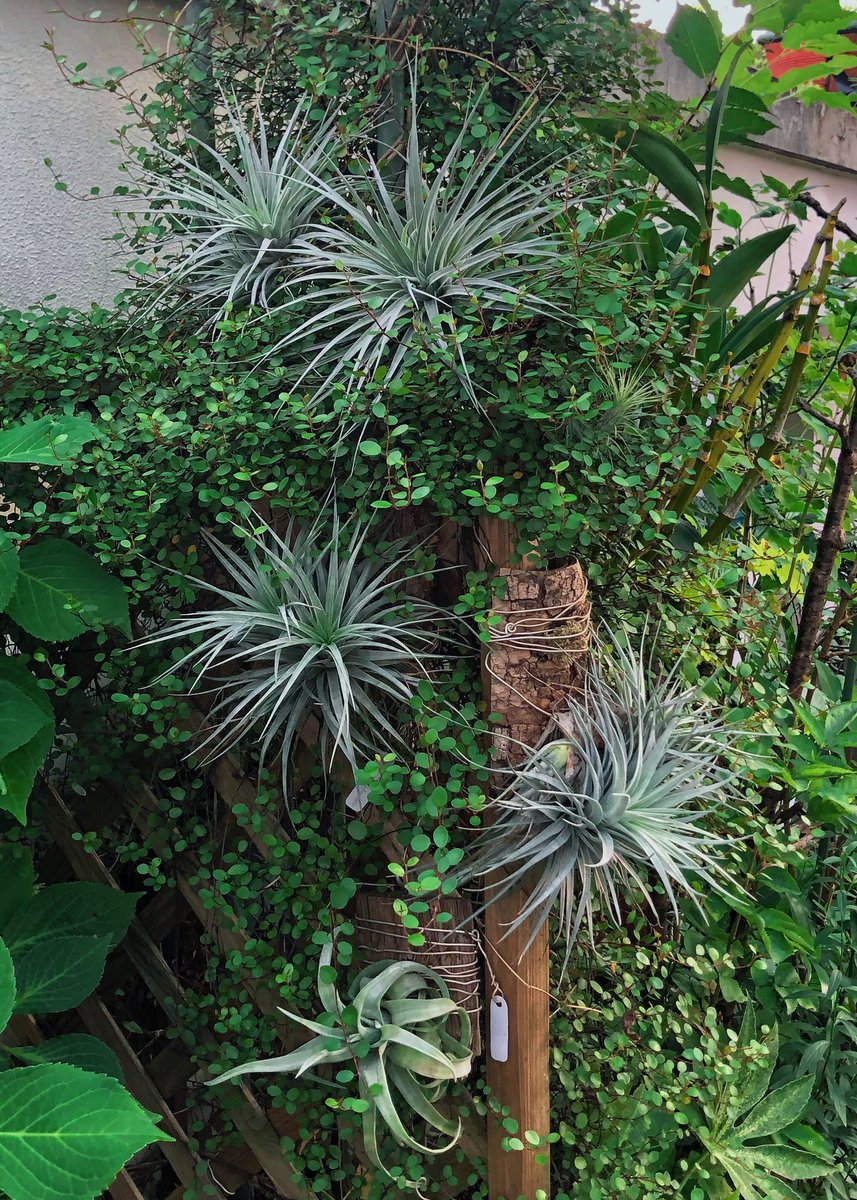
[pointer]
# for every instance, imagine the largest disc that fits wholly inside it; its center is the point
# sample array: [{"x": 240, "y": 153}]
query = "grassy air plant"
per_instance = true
[
  {"x": 627, "y": 398},
  {"x": 239, "y": 223},
  {"x": 393, "y": 1030},
  {"x": 467, "y": 235},
  {"x": 305, "y": 626},
  {"x": 623, "y": 797}
]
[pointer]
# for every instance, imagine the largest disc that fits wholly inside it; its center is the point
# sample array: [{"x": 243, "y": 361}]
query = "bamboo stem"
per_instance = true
[
  {"x": 788, "y": 399},
  {"x": 745, "y": 392}
]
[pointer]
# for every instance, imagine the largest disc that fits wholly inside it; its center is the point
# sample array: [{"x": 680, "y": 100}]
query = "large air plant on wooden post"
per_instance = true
[
  {"x": 623, "y": 797},
  {"x": 306, "y": 626},
  {"x": 393, "y": 1031}
]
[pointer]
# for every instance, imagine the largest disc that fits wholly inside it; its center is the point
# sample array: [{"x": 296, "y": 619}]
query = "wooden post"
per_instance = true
[{"x": 526, "y": 684}]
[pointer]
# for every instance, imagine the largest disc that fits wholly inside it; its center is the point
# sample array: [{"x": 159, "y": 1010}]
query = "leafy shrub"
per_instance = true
[{"x": 67, "y": 1123}]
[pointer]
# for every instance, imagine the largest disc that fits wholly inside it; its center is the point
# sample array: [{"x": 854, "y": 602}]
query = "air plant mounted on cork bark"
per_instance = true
[{"x": 623, "y": 796}]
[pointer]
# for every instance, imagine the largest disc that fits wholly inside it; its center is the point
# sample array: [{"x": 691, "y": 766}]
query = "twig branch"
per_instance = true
[{"x": 841, "y": 226}]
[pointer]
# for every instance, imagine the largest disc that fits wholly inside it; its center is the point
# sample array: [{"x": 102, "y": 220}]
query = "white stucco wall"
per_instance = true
[{"x": 52, "y": 243}]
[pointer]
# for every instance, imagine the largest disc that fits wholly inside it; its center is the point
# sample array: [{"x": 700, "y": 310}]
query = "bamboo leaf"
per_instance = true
[
  {"x": 661, "y": 157},
  {"x": 731, "y": 274}
]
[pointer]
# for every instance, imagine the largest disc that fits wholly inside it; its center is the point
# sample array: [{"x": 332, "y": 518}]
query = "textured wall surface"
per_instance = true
[{"x": 51, "y": 242}]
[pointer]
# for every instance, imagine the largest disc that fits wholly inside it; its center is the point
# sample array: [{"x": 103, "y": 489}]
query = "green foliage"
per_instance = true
[
  {"x": 67, "y": 1125},
  {"x": 616, "y": 438},
  {"x": 53, "y": 591},
  {"x": 749, "y": 1160}
]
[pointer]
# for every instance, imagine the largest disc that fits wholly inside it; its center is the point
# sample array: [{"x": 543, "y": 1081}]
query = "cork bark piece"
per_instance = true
[{"x": 537, "y": 655}]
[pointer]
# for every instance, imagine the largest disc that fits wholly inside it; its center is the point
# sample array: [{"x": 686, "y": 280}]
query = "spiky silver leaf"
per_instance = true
[
  {"x": 306, "y": 627},
  {"x": 399, "y": 1040},
  {"x": 625, "y": 794},
  {"x": 239, "y": 223}
]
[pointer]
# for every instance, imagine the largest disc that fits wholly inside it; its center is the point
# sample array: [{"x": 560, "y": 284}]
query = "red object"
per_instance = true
[{"x": 780, "y": 61}]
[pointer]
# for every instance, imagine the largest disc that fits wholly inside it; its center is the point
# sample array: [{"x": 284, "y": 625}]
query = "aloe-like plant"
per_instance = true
[
  {"x": 307, "y": 626},
  {"x": 466, "y": 235},
  {"x": 394, "y": 1030},
  {"x": 239, "y": 223},
  {"x": 625, "y": 793}
]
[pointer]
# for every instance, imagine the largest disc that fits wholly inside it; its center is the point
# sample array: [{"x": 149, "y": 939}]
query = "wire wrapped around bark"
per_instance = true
[
  {"x": 449, "y": 949},
  {"x": 537, "y": 655}
]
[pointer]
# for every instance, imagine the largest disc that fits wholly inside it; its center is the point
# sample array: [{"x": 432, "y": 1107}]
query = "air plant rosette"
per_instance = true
[
  {"x": 625, "y": 795},
  {"x": 239, "y": 221},
  {"x": 366, "y": 267},
  {"x": 393, "y": 1029},
  {"x": 307, "y": 626}
]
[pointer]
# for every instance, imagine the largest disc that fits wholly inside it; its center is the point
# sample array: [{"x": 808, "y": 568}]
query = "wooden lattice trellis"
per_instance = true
[{"x": 161, "y": 1082}]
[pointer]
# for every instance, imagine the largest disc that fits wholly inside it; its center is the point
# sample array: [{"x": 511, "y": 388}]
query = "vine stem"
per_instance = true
[{"x": 830, "y": 543}]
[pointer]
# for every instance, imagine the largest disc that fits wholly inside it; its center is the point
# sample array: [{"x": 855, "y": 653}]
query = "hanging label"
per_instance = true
[
  {"x": 498, "y": 1041},
  {"x": 358, "y": 798}
]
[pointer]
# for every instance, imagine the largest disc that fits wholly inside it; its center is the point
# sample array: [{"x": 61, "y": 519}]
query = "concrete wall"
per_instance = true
[{"x": 53, "y": 243}]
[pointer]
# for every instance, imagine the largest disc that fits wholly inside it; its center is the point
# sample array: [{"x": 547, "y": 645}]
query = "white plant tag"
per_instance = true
[
  {"x": 358, "y": 798},
  {"x": 498, "y": 1040}
]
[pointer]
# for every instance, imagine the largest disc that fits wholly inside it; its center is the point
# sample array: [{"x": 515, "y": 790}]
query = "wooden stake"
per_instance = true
[{"x": 526, "y": 684}]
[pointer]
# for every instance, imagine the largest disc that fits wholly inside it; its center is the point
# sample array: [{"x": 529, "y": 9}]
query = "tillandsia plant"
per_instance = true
[
  {"x": 627, "y": 396},
  {"x": 239, "y": 222},
  {"x": 468, "y": 235},
  {"x": 308, "y": 626},
  {"x": 626, "y": 792},
  {"x": 394, "y": 1029}
]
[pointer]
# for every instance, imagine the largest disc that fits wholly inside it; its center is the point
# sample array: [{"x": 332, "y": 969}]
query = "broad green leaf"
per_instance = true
[
  {"x": 778, "y": 1109},
  {"x": 8, "y": 568},
  {"x": 7, "y": 985},
  {"x": 47, "y": 441},
  {"x": 56, "y": 975},
  {"x": 18, "y": 770},
  {"x": 19, "y": 879},
  {"x": 716, "y": 117},
  {"x": 730, "y": 275},
  {"x": 62, "y": 591},
  {"x": 66, "y": 1133},
  {"x": 791, "y": 1163},
  {"x": 20, "y": 718},
  {"x": 693, "y": 37},
  {"x": 66, "y": 909},
  {"x": 661, "y": 157},
  {"x": 772, "y": 918},
  {"x": 841, "y": 718},
  {"x": 75, "y": 1049}
]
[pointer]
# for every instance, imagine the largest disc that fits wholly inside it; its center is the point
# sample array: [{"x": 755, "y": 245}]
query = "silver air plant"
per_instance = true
[
  {"x": 393, "y": 1029},
  {"x": 306, "y": 626},
  {"x": 467, "y": 235},
  {"x": 238, "y": 222},
  {"x": 625, "y": 796}
]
